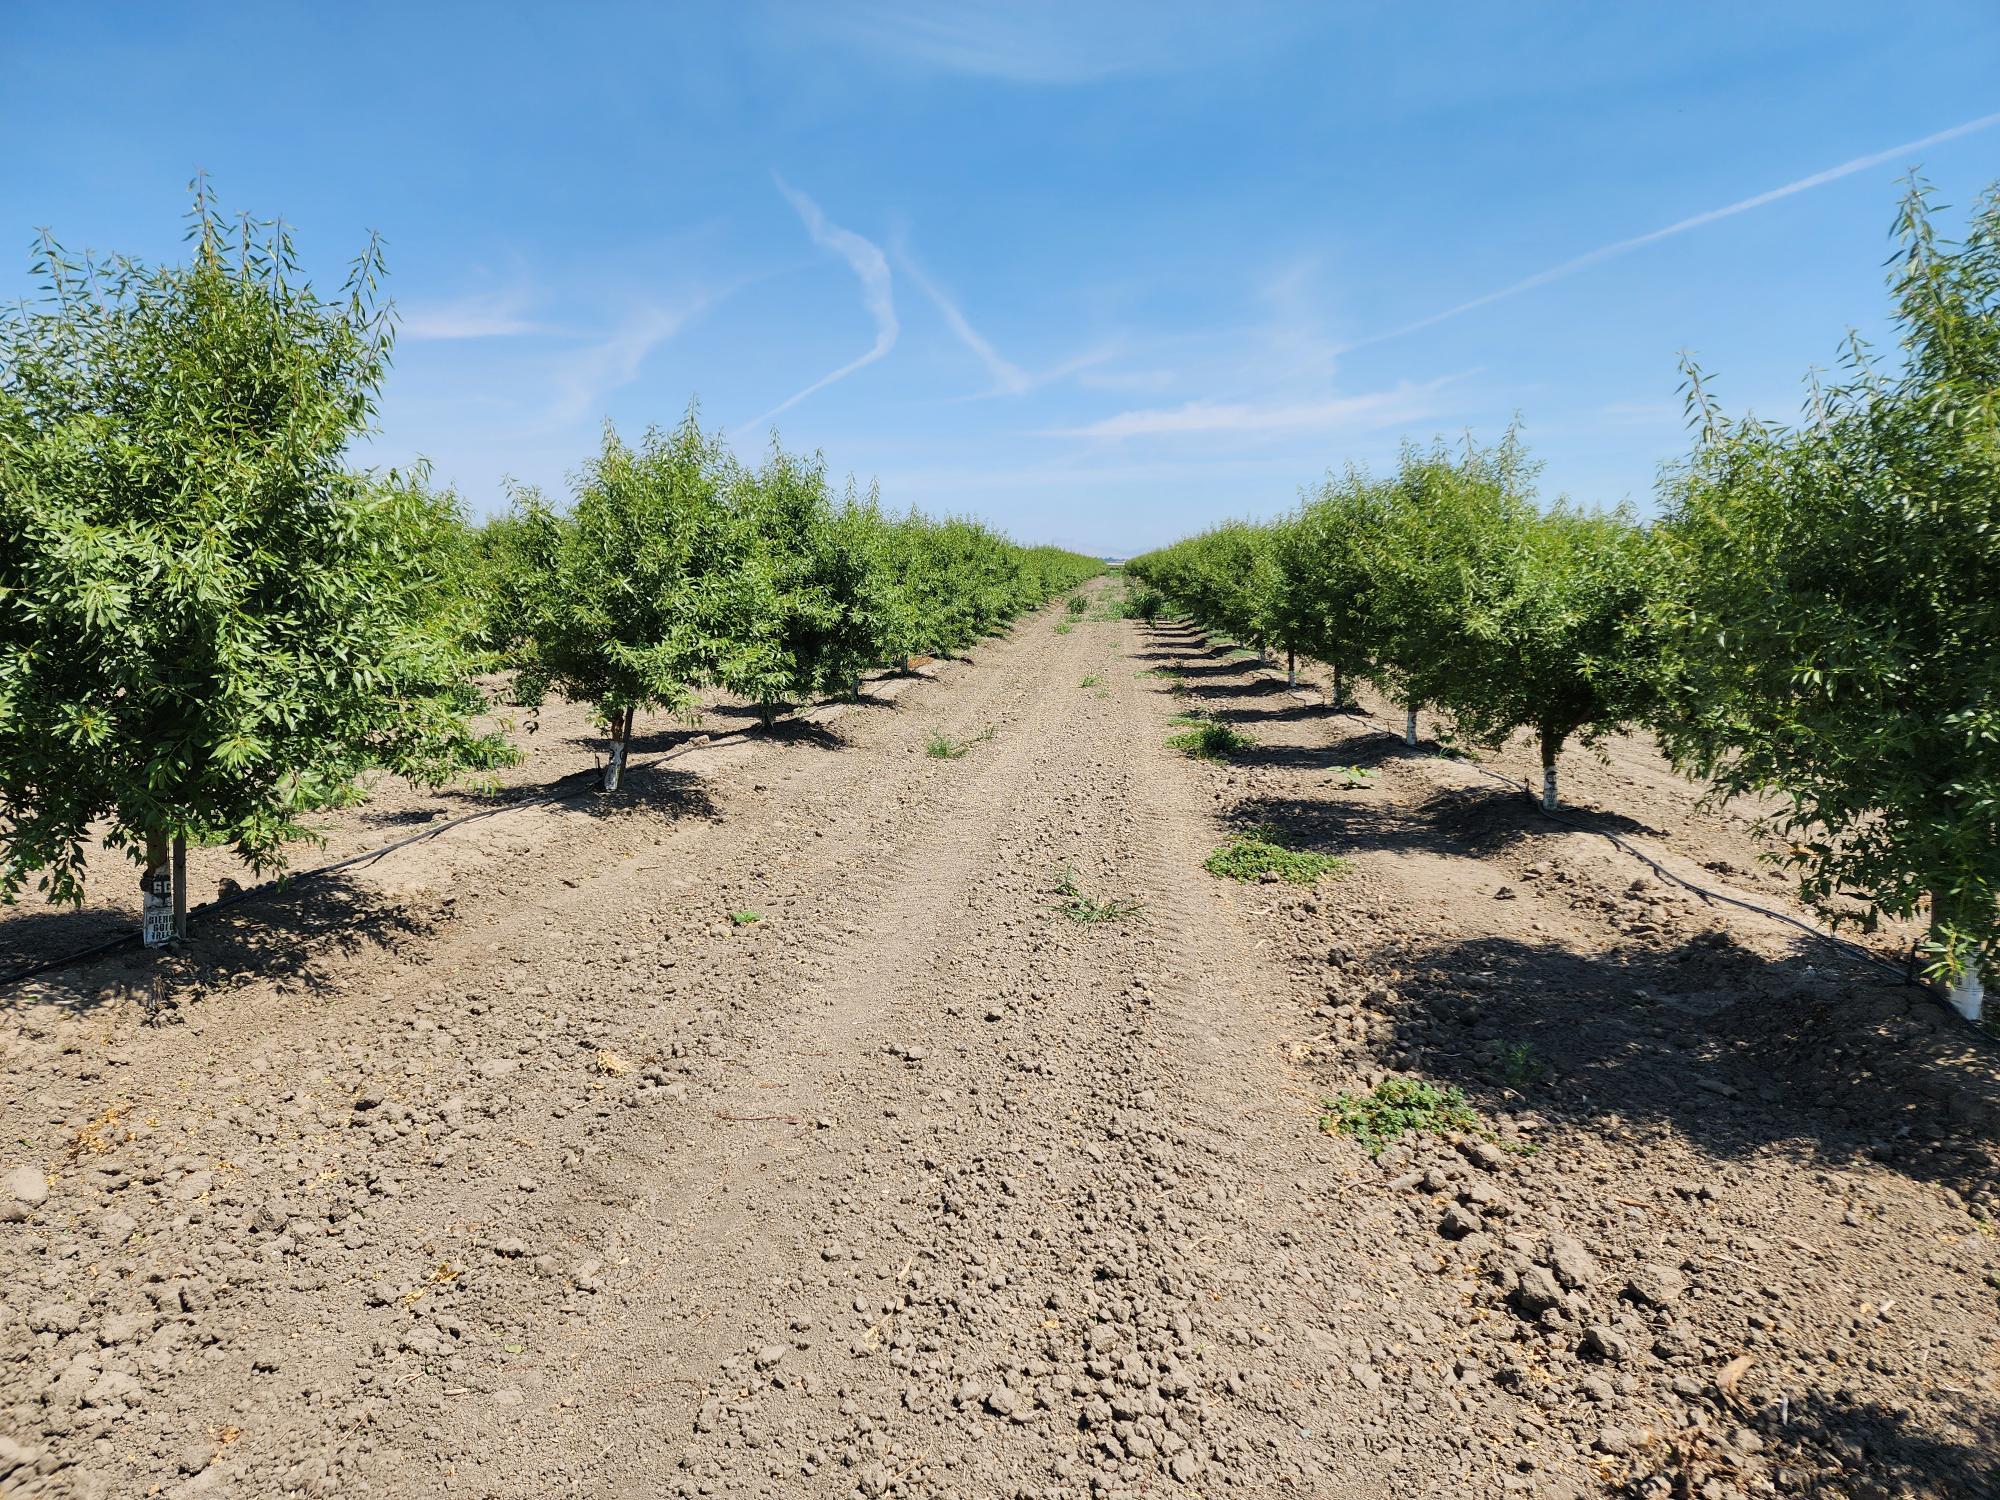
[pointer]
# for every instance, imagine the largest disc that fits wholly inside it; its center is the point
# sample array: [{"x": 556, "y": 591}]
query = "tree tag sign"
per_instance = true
[{"x": 156, "y": 887}]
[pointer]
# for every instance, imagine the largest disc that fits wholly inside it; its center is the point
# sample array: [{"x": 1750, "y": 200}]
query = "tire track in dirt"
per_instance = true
[{"x": 1021, "y": 1257}]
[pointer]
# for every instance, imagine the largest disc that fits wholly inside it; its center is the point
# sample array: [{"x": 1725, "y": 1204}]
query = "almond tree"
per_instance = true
[
  {"x": 210, "y": 626},
  {"x": 631, "y": 599},
  {"x": 1839, "y": 603}
]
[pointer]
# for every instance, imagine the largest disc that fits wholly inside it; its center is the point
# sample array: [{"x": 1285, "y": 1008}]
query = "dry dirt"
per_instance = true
[{"x": 525, "y": 1163}]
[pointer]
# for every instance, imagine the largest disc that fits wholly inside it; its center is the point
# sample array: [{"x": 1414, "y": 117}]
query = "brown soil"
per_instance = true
[{"x": 560, "y": 1180}]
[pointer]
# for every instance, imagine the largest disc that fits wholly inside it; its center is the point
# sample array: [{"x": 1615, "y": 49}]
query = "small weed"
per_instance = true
[
  {"x": 1079, "y": 907},
  {"x": 1209, "y": 741},
  {"x": 1396, "y": 1108},
  {"x": 944, "y": 747},
  {"x": 1261, "y": 851},
  {"x": 1090, "y": 681},
  {"x": 1077, "y": 604},
  {"x": 1521, "y": 1066},
  {"x": 1355, "y": 778},
  {"x": 744, "y": 918},
  {"x": 1063, "y": 628}
]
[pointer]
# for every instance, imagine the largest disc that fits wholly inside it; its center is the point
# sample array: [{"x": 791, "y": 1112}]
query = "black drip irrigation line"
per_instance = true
[
  {"x": 368, "y": 856},
  {"x": 1843, "y": 945}
]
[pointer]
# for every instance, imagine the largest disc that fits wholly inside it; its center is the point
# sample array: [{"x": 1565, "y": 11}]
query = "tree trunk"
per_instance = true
[
  {"x": 614, "y": 767},
  {"x": 1410, "y": 725},
  {"x": 768, "y": 712},
  {"x": 1968, "y": 991},
  {"x": 1552, "y": 743},
  {"x": 1291, "y": 669},
  {"x": 156, "y": 889},
  {"x": 1339, "y": 696},
  {"x": 180, "y": 888},
  {"x": 1967, "y": 988}
]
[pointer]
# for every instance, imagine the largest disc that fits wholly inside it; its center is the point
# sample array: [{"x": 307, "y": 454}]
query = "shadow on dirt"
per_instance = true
[
  {"x": 287, "y": 928},
  {"x": 1735, "y": 1052},
  {"x": 1464, "y": 821},
  {"x": 288, "y": 932},
  {"x": 1841, "y": 1449}
]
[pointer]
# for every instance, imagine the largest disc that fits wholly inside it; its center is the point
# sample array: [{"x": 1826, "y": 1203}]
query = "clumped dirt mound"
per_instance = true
[{"x": 835, "y": 1119}]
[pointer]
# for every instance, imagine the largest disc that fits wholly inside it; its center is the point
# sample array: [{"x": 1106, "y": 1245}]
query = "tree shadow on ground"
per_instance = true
[
  {"x": 286, "y": 926},
  {"x": 1836, "y": 1448},
  {"x": 1469, "y": 822},
  {"x": 1737, "y": 1053},
  {"x": 1290, "y": 713},
  {"x": 286, "y": 932}
]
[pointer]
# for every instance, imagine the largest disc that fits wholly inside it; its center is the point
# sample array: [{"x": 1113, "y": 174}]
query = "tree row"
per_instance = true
[
  {"x": 1813, "y": 616},
  {"x": 213, "y": 623}
]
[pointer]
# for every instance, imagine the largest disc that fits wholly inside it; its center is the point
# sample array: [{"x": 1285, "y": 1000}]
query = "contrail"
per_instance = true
[
  {"x": 869, "y": 264},
  {"x": 1619, "y": 247}
]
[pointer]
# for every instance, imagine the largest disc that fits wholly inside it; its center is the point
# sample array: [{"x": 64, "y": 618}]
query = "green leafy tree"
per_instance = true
[
  {"x": 1838, "y": 605},
  {"x": 210, "y": 626},
  {"x": 1325, "y": 561},
  {"x": 1561, "y": 646},
  {"x": 629, "y": 599},
  {"x": 825, "y": 608}
]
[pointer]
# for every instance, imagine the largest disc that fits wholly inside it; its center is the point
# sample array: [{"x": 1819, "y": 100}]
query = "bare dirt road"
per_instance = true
[{"x": 784, "y": 1127}]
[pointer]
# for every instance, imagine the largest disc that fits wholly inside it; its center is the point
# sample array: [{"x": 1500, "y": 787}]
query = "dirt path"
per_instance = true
[{"x": 773, "y": 1131}]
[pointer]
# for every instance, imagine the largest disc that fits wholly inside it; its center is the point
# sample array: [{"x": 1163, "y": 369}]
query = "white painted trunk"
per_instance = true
[
  {"x": 1549, "y": 803},
  {"x": 1409, "y": 726},
  {"x": 614, "y": 768},
  {"x": 1968, "y": 991}
]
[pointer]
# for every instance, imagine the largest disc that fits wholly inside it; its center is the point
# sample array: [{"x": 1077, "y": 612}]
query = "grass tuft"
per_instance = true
[
  {"x": 944, "y": 747},
  {"x": 1091, "y": 680},
  {"x": 1262, "y": 851},
  {"x": 1211, "y": 741},
  {"x": 1079, "y": 907},
  {"x": 1398, "y": 1107},
  {"x": 744, "y": 918}
]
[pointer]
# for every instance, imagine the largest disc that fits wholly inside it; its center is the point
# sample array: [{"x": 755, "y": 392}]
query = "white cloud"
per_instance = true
[
  {"x": 1681, "y": 226},
  {"x": 493, "y": 315},
  {"x": 1404, "y": 403},
  {"x": 877, "y": 292}
]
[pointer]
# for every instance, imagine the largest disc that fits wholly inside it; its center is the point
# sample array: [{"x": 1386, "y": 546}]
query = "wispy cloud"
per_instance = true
[
  {"x": 1405, "y": 402},
  {"x": 1008, "y": 377},
  {"x": 583, "y": 377},
  {"x": 1681, "y": 226},
  {"x": 491, "y": 315},
  {"x": 877, "y": 292}
]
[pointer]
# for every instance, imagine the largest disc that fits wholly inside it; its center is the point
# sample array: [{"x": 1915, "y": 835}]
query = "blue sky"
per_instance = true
[{"x": 1100, "y": 275}]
